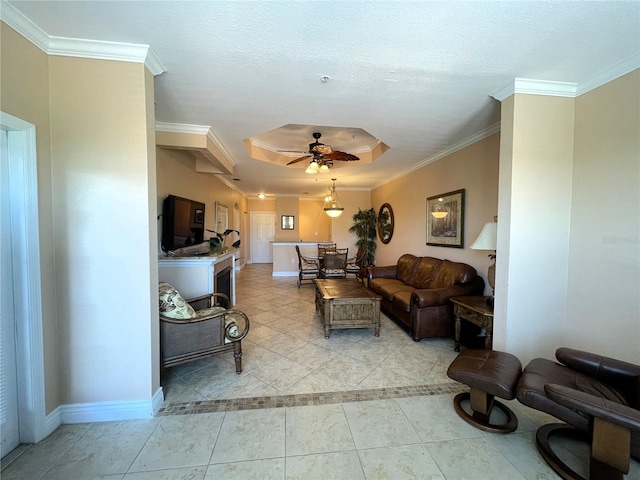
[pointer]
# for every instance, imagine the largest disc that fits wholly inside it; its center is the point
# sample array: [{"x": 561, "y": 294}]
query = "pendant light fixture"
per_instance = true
[{"x": 332, "y": 205}]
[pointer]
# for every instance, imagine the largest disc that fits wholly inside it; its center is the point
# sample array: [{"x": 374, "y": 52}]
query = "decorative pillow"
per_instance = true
[{"x": 172, "y": 304}]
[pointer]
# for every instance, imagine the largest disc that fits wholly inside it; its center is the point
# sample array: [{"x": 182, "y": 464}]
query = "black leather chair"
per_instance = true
[{"x": 596, "y": 395}]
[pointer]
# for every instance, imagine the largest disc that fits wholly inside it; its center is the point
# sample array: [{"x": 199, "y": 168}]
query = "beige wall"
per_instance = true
[
  {"x": 315, "y": 225},
  {"x": 287, "y": 206},
  {"x": 575, "y": 160},
  {"x": 24, "y": 77},
  {"x": 603, "y": 302},
  {"x": 176, "y": 175},
  {"x": 474, "y": 168},
  {"x": 101, "y": 189},
  {"x": 94, "y": 185}
]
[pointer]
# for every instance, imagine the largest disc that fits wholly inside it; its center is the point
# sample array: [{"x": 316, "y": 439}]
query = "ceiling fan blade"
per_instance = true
[
  {"x": 298, "y": 160},
  {"x": 341, "y": 156}
]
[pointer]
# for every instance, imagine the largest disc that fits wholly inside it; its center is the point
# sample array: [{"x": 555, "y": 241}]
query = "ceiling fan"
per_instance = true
[{"x": 322, "y": 154}]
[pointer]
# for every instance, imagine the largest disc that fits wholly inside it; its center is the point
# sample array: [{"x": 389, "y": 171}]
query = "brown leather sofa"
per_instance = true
[{"x": 416, "y": 292}]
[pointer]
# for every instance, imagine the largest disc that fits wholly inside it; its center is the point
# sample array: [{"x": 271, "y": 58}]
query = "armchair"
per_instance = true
[
  {"x": 596, "y": 395},
  {"x": 198, "y": 327}
]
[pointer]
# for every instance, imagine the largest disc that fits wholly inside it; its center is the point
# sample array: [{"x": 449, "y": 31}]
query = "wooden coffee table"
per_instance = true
[{"x": 346, "y": 303}]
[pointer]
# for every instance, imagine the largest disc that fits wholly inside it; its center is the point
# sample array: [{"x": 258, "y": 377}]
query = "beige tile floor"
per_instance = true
[{"x": 389, "y": 435}]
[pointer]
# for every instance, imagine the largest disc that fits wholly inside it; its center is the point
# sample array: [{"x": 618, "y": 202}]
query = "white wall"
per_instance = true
[
  {"x": 533, "y": 246},
  {"x": 603, "y": 312}
]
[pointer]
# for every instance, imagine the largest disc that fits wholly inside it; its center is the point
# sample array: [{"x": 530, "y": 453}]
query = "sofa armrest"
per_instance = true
[
  {"x": 381, "y": 272},
  {"x": 612, "y": 412},
  {"x": 431, "y": 297}
]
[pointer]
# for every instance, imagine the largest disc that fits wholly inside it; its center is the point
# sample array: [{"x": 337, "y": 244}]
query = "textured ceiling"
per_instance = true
[{"x": 417, "y": 75}]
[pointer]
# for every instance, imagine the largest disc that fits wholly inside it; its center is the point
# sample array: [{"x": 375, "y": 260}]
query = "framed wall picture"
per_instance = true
[
  {"x": 222, "y": 218},
  {"x": 445, "y": 220},
  {"x": 287, "y": 222}
]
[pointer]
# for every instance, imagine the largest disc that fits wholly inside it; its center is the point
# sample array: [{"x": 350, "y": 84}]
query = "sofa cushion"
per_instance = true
[
  {"x": 406, "y": 268},
  {"x": 426, "y": 272},
  {"x": 377, "y": 285},
  {"x": 391, "y": 291},
  {"x": 402, "y": 300},
  {"x": 453, "y": 273},
  {"x": 172, "y": 304}
]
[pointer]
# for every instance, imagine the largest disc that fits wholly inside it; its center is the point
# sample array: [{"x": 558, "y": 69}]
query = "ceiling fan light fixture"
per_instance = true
[
  {"x": 313, "y": 167},
  {"x": 324, "y": 167}
]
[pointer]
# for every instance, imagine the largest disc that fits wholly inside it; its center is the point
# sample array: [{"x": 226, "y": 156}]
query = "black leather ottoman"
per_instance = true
[{"x": 489, "y": 374}]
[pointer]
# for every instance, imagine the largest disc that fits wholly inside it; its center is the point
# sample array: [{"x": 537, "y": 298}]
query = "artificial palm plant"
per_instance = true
[{"x": 364, "y": 227}]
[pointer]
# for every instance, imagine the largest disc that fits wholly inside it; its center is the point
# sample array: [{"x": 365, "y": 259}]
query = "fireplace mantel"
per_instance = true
[{"x": 194, "y": 276}]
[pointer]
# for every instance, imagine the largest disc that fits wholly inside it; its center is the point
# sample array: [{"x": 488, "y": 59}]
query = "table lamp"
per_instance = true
[{"x": 488, "y": 240}]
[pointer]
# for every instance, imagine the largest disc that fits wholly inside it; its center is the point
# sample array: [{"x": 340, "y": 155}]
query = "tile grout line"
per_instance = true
[{"x": 307, "y": 399}]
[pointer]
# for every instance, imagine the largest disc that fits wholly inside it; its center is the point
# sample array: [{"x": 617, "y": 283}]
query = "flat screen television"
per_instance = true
[{"x": 182, "y": 223}]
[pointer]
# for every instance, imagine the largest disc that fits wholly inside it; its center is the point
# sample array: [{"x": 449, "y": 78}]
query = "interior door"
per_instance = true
[
  {"x": 9, "y": 432},
  {"x": 263, "y": 228}
]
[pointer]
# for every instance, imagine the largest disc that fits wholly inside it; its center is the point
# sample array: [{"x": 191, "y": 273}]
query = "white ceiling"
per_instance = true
[{"x": 417, "y": 75}]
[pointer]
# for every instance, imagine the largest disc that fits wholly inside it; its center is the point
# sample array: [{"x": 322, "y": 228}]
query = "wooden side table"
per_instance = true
[{"x": 474, "y": 310}]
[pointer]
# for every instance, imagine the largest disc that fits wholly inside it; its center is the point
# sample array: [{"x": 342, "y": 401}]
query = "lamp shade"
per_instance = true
[
  {"x": 313, "y": 167},
  {"x": 488, "y": 238},
  {"x": 334, "y": 212}
]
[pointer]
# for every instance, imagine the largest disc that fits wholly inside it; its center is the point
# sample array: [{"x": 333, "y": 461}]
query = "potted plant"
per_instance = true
[
  {"x": 364, "y": 227},
  {"x": 219, "y": 242}
]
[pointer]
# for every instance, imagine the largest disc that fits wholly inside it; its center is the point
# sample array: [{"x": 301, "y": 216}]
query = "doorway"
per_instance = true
[
  {"x": 263, "y": 228},
  {"x": 22, "y": 390}
]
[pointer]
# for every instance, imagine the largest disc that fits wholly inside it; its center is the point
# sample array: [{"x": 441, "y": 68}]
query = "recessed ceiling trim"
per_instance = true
[
  {"x": 487, "y": 132},
  {"x": 81, "y": 48}
]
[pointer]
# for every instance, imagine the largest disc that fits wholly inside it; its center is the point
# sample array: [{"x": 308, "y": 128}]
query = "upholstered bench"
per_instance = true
[{"x": 489, "y": 374}]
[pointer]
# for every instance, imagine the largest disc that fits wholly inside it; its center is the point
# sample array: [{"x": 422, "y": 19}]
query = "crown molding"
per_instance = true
[
  {"x": 229, "y": 184},
  {"x": 212, "y": 136},
  {"x": 482, "y": 134},
  {"x": 23, "y": 25},
  {"x": 536, "y": 87},
  {"x": 197, "y": 130},
  {"x": 566, "y": 89},
  {"x": 182, "y": 128},
  {"x": 81, "y": 48},
  {"x": 627, "y": 65}
]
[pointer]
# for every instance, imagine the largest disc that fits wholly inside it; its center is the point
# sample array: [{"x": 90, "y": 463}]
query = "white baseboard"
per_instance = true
[
  {"x": 284, "y": 274},
  {"x": 104, "y": 411}
]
